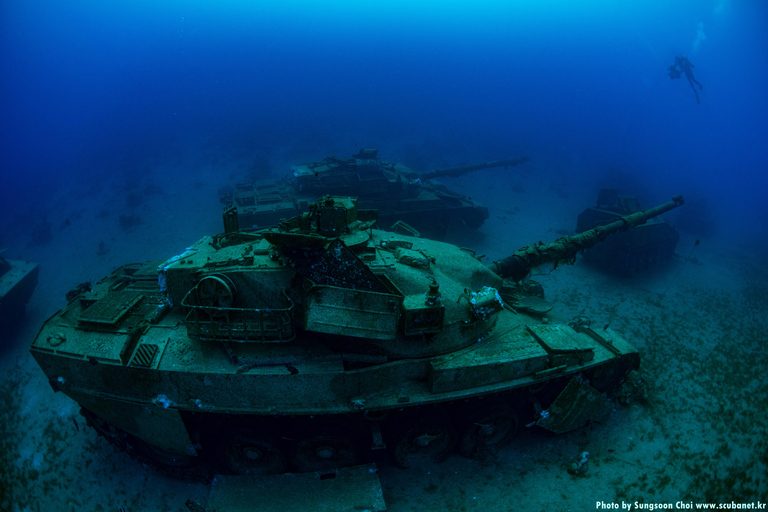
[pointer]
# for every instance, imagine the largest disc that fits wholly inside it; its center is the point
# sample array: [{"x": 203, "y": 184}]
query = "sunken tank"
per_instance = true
[
  {"x": 396, "y": 191},
  {"x": 325, "y": 343},
  {"x": 18, "y": 280},
  {"x": 629, "y": 253}
]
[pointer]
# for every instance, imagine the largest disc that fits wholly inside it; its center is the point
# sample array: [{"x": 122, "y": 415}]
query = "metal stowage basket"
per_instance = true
[{"x": 245, "y": 325}]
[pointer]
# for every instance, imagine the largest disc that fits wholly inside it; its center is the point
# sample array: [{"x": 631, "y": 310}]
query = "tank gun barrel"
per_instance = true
[
  {"x": 564, "y": 250},
  {"x": 458, "y": 171}
]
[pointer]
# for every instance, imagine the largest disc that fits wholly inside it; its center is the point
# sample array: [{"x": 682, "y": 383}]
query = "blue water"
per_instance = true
[
  {"x": 108, "y": 92},
  {"x": 101, "y": 87}
]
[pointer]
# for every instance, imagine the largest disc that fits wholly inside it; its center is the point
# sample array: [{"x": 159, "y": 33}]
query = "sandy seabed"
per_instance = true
[{"x": 702, "y": 435}]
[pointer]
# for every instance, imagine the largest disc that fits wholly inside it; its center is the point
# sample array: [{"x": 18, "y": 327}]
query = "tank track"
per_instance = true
[
  {"x": 413, "y": 435},
  {"x": 141, "y": 452}
]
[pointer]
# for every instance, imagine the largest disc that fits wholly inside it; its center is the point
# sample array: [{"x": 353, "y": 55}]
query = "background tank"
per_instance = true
[
  {"x": 631, "y": 252},
  {"x": 326, "y": 343},
  {"x": 18, "y": 280},
  {"x": 396, "y": 191}
]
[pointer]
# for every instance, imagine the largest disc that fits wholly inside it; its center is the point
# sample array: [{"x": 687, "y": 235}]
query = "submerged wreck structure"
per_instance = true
[
  {"x": 325, "y": 343},
  {"x": 18, "y": 280},
  {"x": 400, "y": 194},
  {"x": 632, "y": 252}
]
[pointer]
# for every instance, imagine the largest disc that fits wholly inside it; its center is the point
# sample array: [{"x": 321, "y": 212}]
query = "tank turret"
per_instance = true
[
  {"x": 564, "y": 249},
  {"x": 324, "y": 343},
  {"x": 628, "y": 253},
  {"x": 396, "y": 191}
]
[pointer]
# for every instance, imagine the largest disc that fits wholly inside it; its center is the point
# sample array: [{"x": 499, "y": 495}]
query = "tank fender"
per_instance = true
[
  {"x": 578, "y": 404},
  {"x": 159, "y": 422}
]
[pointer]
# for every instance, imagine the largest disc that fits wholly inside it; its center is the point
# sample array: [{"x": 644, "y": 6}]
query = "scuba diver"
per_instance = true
[
  {"x": 673, "y": 71},
  {"x": 683, "y": 66}
]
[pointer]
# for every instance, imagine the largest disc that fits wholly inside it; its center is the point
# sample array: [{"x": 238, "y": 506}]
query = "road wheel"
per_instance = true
[
  {"x": 488, "y": 426},
  {"x": 251, "y": 452},
  {"x": 325, "y": 445},
  {"x": 425, "y": 438}
]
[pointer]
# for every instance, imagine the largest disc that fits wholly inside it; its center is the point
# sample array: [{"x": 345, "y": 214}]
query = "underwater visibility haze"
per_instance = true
[
  {"x": 91, "y": 88},
  {"x": 122, "y": 123}
]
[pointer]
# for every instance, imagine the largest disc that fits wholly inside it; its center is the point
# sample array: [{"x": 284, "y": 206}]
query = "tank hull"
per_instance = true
[
  {"x": 396, "y": 191},
  {"x": 174, "y": 389},
  {"x": 18, "y": 280},
  {"x": 431, "y": 215},
  {"x": 631, "y": 252}
]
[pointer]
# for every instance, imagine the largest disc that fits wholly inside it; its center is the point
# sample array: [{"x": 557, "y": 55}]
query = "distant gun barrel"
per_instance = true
[
  {"x": 564, "y": 250},
  {"x": 455, "y": 172}
]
